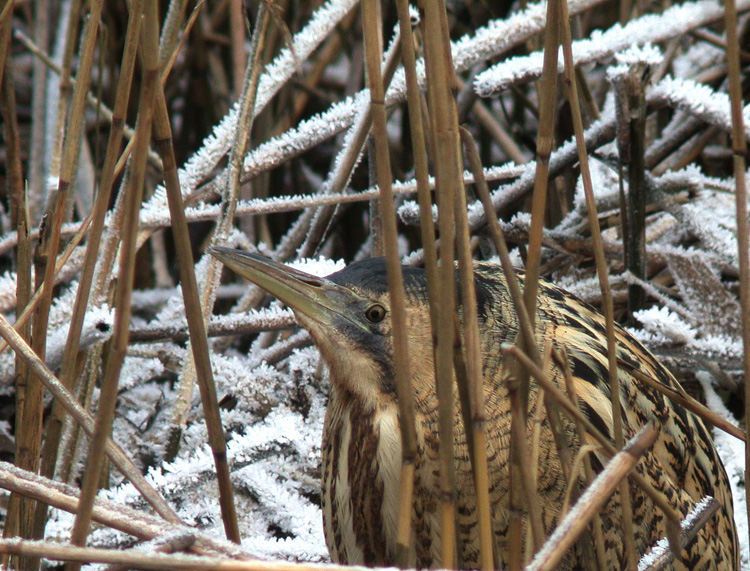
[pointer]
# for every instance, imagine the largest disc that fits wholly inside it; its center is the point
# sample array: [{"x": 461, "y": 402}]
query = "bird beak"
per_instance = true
[{"x": 303, "y": 292}]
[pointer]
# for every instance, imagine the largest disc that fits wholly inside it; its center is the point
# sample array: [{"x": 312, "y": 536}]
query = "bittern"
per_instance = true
[{"x": 347, "y": 316}]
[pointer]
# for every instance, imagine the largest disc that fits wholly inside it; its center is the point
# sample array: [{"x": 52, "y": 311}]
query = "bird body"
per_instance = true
[{"x": 348, "y": 319}]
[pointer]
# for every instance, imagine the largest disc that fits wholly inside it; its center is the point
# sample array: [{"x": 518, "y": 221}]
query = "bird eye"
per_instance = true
[{"x": 375, "y": 313}]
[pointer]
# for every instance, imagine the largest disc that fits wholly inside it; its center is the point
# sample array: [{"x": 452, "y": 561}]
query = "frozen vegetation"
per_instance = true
[{"x": 271, "y": 385}]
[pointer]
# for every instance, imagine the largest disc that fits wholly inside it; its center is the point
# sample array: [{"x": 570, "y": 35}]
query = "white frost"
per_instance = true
[{"x": 732, "y": 452}]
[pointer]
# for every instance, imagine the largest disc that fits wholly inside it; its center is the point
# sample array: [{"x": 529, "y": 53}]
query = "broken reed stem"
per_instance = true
[
  {"x": 372, "y": 21},
  {"x": 529, "y": 344},
  {"x": 547, "y": 96},
  {"x": 597, "y": 493},
  {"x": 601, "y": 270},
  {"x": 443, "y": 119},
  {"x": 119, "y": 344},
  {"x": 205, "y": 299},
  {"x": 18, "y": 507},
  {"x": 470, "y": 353},
  {"x": 98, "y": 215},
  {"x": 570, "y": 387},
  {"x": 189, "y": 284},
  {"x": 547, "y": 90},
  {"x": 739, "y": 148},
  {"x": 347, "y": 160},
  {"x": 427, "y": 226}
]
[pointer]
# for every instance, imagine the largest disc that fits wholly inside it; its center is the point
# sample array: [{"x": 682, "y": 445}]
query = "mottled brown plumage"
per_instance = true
[{"x": 347, "y": 317}]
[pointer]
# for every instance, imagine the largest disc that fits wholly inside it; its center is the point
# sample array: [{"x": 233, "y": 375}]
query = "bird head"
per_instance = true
[{"x": 348, "y": 317}]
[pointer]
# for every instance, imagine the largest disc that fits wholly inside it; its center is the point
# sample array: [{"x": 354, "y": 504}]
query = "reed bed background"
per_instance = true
[{"x": 135, "y": 135}]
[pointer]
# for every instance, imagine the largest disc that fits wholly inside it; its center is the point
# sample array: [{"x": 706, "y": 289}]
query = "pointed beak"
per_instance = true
[{"x": 304, "y": 293}]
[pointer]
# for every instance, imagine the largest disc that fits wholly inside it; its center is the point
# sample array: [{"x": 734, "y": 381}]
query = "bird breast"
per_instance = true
[{"x": 361, "y": 462}]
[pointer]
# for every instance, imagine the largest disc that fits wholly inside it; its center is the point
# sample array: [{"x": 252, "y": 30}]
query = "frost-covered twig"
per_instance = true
[
  {"x": 592, "y": 499},
  {"x": 654, "y": 28},
  {"x": 277, "y": 204},
  {"x": 128, "y": 520},
  {"x": 220, "y": 325},
  {"x": 167, "y": 561},
  {"x": 97, "y": 328},
  {"x": 277, "y": 73},
  {"x": 661, "y": 556},
  {"x": 697, "y": 99},
  {"x": 487, "y": 42},
  {"x": 599, "y": 133},
  {"x": 82, "y": 417}
]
